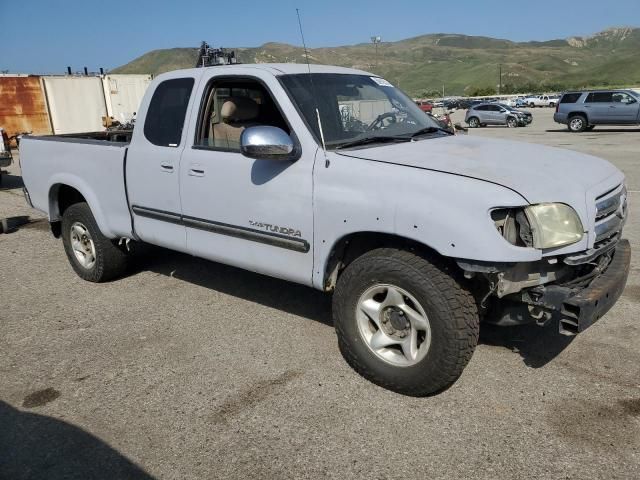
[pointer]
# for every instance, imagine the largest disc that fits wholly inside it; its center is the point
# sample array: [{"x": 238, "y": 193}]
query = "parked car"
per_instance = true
[
  {"x": 496, "y": 114},
  {"x": 425, "y": 106},
  {"x": 5, "y": 151},
  {"x": 542, "y": 101},
  {"x": 451, "y": 104},
  {"x": 521, "y": 103},
  {"x": 581, "y": 111},
  {"x": 418, "y": 233}
]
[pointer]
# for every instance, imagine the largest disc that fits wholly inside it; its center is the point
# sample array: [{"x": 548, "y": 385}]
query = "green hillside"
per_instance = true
[{"x": 463, "y": 64}]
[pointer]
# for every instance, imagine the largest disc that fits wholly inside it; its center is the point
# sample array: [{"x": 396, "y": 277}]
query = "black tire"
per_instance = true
[
  {"x": 111, "y": 260},
  {"x": 577, "y": 123},
  {"x": 473, "y": 122},
  {"x": 450, "y": 308},
  {"x": 512, "y": 122}
]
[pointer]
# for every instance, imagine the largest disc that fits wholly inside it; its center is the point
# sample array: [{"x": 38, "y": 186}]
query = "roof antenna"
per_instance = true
[{"x": 313, "y": 90}]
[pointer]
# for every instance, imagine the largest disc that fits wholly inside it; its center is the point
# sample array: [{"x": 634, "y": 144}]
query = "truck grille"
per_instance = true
[{"x": 611, "y": 213}]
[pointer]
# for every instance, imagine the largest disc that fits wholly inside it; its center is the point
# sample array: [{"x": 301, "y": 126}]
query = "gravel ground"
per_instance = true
[{"x": 191, "y": 369}]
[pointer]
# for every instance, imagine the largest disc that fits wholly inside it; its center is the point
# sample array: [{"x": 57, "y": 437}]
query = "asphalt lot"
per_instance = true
[{"x": 191, "y": 369}]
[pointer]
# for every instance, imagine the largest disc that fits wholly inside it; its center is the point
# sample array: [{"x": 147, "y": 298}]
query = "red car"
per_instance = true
[{"x": 425, "y": 106}]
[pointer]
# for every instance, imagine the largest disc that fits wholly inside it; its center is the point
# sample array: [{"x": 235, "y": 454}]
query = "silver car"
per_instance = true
[{"x": 496, "y": 114}]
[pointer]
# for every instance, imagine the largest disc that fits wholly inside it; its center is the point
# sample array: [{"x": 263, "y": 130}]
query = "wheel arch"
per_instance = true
[
  {"x": 63, "y": 194},
  {"x": 578, "y": 113},
  {"x": 352, "y": 245}
]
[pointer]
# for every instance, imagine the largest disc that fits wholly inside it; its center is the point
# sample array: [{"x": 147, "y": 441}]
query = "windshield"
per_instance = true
[{"x": 355, "y": 107}]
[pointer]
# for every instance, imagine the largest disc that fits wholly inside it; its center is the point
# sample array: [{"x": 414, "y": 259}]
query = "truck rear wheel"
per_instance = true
[
  {"x": 93, "y": 256},
  {"x": 577, "y": 123},
  {"x": 403, "y": 322}
]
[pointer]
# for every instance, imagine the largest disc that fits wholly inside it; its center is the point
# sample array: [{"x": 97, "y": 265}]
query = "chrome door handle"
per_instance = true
[{"x": 166, "y": 167}]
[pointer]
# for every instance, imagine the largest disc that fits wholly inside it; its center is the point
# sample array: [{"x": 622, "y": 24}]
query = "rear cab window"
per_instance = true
[{"x": 167, "y": 111}]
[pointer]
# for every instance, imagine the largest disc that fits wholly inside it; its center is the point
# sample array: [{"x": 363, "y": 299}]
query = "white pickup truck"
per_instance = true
[
  {"x": 335, "y": 179},
  {"x": 541, "y": 101}
]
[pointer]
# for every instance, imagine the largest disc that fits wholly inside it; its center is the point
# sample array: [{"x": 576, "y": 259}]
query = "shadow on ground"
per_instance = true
[
  {"x": 10, "y": 182},
  {"x": 536, "y": 345},
  {"x": 13, "y": 224},
  {"x": 594, "y": 131},
  {"x": 271, "y": 292},
  {"x": 36, "y": 446}
]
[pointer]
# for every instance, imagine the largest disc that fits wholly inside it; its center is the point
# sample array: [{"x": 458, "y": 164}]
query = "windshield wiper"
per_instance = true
[
  {"x": 374, "y": 139},
  {"x": 429, "y": 130}
]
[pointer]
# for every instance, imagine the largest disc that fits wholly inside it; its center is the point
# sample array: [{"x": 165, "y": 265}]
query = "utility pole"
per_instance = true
[
  {"x": 500, "y": 78},
  {"x": 376, "y": 40}
]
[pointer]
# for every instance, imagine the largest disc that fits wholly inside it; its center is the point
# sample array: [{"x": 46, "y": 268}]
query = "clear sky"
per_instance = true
[{"x": 44, "y": 36}]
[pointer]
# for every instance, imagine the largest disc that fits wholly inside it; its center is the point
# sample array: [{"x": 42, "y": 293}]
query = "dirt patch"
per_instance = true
[
  {"x": 257, "y": 393},
  {"x": 40, "y": 397},
  {"x": 598, "y": 426},
  {"x": 632, "y": 292},
  {"x": 631, "y": 406}
]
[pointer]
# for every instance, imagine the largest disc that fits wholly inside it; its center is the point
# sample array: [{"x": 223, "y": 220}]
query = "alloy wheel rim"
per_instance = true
[
  {"x": 576, "y": 124},
  {"x": 82, "y": 245},
  {"x": 393, "y": 325}
]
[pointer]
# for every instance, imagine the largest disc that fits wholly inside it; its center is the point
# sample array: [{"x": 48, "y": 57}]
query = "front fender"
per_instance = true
[{"x": 446, "y": 212}]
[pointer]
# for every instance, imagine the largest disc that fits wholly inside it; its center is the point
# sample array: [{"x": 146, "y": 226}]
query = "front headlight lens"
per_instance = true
[{"x": 554, "y": 225}]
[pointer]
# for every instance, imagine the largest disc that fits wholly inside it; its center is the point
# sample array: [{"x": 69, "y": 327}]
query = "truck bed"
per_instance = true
[{"x": 91, "y": 163}]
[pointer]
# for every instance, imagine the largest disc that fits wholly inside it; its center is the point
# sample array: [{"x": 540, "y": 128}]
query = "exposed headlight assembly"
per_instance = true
[
  {"x": 554, "y": 225},
  {"x": 545, "y": 225}
]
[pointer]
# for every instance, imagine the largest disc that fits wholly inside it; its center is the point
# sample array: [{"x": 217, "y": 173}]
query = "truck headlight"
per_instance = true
[{"x": 554, "y": 225}]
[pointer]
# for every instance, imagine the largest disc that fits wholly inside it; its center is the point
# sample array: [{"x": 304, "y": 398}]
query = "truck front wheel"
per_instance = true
[
  {"x": 93, "y": 256},
  {"x": 404, "y": 322}
]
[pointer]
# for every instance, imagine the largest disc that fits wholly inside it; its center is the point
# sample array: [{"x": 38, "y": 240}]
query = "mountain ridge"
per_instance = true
[{"x": 462, "y": 63}]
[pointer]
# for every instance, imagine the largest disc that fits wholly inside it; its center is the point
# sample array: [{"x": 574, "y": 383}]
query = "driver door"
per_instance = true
[
  {"x": 253, "y": 214},
  {"x": 624, "y": 108}
]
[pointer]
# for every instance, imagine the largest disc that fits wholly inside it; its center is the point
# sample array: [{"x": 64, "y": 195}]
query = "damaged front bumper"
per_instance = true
[{"x": 576, "y": 305}]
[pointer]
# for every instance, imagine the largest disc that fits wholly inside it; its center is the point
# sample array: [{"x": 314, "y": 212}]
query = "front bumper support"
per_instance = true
[{"x": 579, "y": 308}]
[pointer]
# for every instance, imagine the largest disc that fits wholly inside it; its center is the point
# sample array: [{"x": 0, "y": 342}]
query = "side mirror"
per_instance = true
[{"x": 267, "y": 143}]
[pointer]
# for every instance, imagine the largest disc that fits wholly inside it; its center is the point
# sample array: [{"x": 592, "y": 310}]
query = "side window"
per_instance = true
[
  {"x": 167, "y": 111},
  {"x": 599, "y": 97},
  {"x": 230, "y": 107},
  {"x": 570, "y": 97},
  {"x": 482, "y": 108},
  {"x": 624, "y": 98}
]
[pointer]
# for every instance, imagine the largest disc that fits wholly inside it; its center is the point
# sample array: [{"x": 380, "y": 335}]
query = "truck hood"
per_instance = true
[{"x": 537, "y": 172}]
